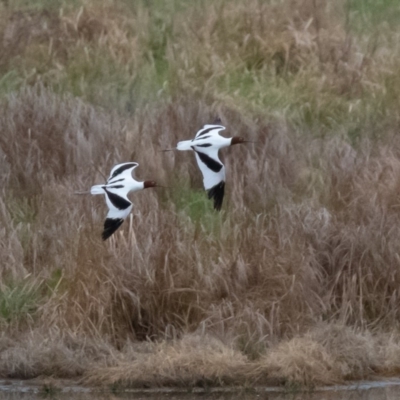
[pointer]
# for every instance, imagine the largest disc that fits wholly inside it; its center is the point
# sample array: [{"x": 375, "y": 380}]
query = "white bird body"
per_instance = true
[
  {"x": 210, "y": 136},
  {"x": 116, "y": 189},
  {"x": 206, "y": 145}
]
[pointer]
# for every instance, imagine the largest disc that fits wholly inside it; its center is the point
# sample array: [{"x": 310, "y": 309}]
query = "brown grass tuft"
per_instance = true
[
  {"x": 300, "y": 361},
  {"x": 192, "y": 361},
  {"x": 51, "y": 353}
]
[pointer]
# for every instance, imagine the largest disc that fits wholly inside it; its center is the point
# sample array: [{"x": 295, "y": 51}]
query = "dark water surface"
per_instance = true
[{"x": 383, "y": 390}]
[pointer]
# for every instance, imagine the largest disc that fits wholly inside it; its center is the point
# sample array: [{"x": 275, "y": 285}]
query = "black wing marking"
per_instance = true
[
  {"x": 117, "y": 201},
  {"x": 204, "y": 145},
  {"x": 122, "y": 168},
  {"x": 117, "y": 180},
  {"x": 209, "y": 130},
  {"x": 201, "y": 138},
  {"x": 217, "y": 193},
  {"x": 110, "y": 226},
  {"x": 213, "y": 165}
]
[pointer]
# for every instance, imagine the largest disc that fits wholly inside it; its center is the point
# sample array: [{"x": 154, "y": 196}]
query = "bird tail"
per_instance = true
[
  {"x": 217, "y": 193},
  {"x": 110, "y": 226},
  {"x": 97, "y": 189},
  {"x": 185, "y": 145}
]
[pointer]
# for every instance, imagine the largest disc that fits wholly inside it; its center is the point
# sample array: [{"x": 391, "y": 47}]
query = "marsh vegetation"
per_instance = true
[{"x": 295, "y": 282}]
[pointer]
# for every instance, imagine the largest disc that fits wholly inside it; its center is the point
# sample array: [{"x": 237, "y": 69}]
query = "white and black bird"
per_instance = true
[
  {"x": 206, "y": 145},
  {"x": 116, "y": 190}
]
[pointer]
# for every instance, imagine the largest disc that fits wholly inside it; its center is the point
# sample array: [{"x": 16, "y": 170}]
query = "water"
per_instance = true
[{"x": 383, "y": 390}]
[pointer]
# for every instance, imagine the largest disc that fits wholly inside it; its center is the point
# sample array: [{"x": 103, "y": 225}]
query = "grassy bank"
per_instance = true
[{"x": 295, "y": 282}]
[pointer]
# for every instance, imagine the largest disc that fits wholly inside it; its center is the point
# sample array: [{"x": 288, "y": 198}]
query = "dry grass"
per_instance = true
[
  {"x": 191, "y": 361},
  {"x": 181, "y": 296},
  {"x": 50, "y": 353}
]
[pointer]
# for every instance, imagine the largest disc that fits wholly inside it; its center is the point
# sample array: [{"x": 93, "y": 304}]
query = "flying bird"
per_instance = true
[
  {"x": 206, "y": 145},
  {"x": 116, "y": 190}
]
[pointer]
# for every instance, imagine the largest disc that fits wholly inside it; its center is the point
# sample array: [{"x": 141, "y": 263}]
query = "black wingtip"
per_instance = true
[
  {"x": 110, "y": 226},
  {"x": 217, "y": 193}
]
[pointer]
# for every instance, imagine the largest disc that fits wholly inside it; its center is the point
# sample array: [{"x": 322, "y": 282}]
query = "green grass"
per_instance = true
[
  {"x": 23, "y": 214},
  {"x": 10, "y": 82},
  {"x": 55, "y": 281},
  {"x": 39, "y": 5},
  {"x": 370, "y": 14},
  {"x": 96, "y": 78},
  {"x": 18, "y": 300},
  {"x": 22, "y": 210},
  {"x": 194, "y": 203}
]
